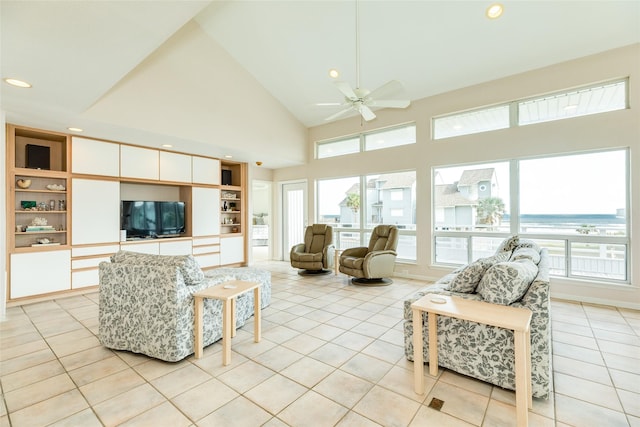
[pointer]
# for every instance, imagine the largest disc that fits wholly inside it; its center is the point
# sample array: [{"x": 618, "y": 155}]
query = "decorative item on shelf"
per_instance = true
[
  {"x": 42, "y": 206},
  {"x": 45, "y": 242},
  {"x": 28, "y": 205},
  {"x": 23, "y": 183},
  {"x": 232, "y": 206},
  {"x": 39, "y": 221},
  {"x": 55, "y": 187},
  {"x": 234, "y": 229},
  {"x": 61, "y": 205},
  {"x": 228, "y": 195},
  {"x": 52, "y": 205},
  {"x": 224, "y": 206},
  {"x": 39, "y": 225},
  {"x": 19, "y": 228}
]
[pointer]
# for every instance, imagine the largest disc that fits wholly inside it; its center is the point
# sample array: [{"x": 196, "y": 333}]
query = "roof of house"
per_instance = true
[
  {"x": 447, "y": 195},
  {"x": 474, "y": 176}
]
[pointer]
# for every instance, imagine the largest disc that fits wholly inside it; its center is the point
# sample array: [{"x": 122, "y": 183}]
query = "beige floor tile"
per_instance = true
[
  {"x": 343, "y": 322},
  {"x": 353, "y": 419},
  {"x": 604, "y": 336},
  {"x": 302, "y": 324},
  {"x": 278, "y": 358},
  {"x": 575, "y": 339},
  {"x": 154, "y": 368},
  {"x": 367, "y": 367},
  {"x": 387, "y": 408},
  {"x": 162, "y": 415},
  {"x": 26, "y": 361},
  {"x": 325, "y": 332},
  {"x": 84, "y": 418},
  {"x": 501, "y": 414},
  {"x": 251, "y": 349},
  {"x": 85, "y": 357},
  {"x": 630, "y": 402},
  {"x": 430, "y": 417},
  {"x": 625, "y": 380},
  {"x": 459, "y": 403},
  {"x": 312, "y": 406},
  {"x": 180, "y": 380},
  {"x": 332, "y": 354},
  {"x": 204, "y": 399},
  {"x": 280, "y": 334},
  {"x": 353, "y": 341},
  {"x": 384, "y": 351},
  {"x": 51, "y": 410},
  {"x": 129, "y": 404},
  {"x": 576, "y": 368},
  {"x": 31, "y": 375},
  {"x": 304, "y": 343},
  {"x": 240, "y": 412},
  {"x": 307, "y": 371},
  {"x": 10, "y": 352},
  {"x": 401, "y": 381},
  {"x": 38, "y": 392},
  {"x": 276, "y": 393},
  {"x": 622, "y": 363},
  {"x": 578, "y": 353},
  {"x": 589, "y": 391},
  {"x": 245, "y": 376},
  {"x": 343, "y": 388},
  {"x": 580, "y": 413},
  {"x": 111, "y": 386},
  {"x": 100, "y": 369}
]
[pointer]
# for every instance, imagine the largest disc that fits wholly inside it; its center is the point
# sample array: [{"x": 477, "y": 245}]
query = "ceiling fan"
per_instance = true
[{"x": 360, "y": 99}]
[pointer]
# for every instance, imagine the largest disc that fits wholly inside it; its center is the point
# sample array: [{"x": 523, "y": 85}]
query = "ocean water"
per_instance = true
[{"x": 593, "y": 219}]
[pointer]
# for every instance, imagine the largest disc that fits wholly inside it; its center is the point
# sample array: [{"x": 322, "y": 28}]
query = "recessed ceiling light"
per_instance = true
[
  {"x": 228, "y": 156},
  {"x": 17, "y": 83},
  {"x": 495, "y": 11},
  {"x": 72, "y": 129},
  {"x": 333, "y": 73},
  {"x": 167, "y": 145}
]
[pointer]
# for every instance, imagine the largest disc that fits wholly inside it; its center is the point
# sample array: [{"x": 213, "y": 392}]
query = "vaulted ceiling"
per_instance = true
[{"x": 243, "y": 77}]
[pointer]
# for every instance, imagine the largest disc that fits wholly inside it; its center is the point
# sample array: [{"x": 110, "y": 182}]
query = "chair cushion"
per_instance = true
[
  {"x": 508, "y": 244},
  {"x": 352, "y": 262},
  {"x": 524, "y": 252},
  {"x": 186, "y": 263},
  {"x": 305, "y": 257},
  {"x": 506, "y": 282}
]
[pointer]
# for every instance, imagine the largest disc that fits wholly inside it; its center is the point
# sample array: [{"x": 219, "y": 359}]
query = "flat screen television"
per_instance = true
[
  {"x": 152, "y": 219},
  {"x": 37, "y": 156}
]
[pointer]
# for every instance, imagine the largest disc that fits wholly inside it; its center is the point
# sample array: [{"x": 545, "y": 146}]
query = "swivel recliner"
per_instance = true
[
  {"x": 372, "y": 265},
  {"x": 316, "y": 254}
]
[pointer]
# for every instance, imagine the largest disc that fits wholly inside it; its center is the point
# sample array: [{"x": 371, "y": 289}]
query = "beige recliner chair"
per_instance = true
[
  {"x": 316, "y": 254},
  {"x": 374, "y": 264}
]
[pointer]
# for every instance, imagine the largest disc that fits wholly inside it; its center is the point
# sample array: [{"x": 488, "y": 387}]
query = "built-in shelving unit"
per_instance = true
[
  {"x": 232, "y": 203},
  {"x": 38, "y": 180}
]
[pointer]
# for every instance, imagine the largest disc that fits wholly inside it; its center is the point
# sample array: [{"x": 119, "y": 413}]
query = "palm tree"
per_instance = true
[
  {"x": 490, "y": 211},
  {"x": 353, "y": 202}
]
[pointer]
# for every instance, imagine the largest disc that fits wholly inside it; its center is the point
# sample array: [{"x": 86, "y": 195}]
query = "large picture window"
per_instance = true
[
  {"x": 573, "y": 205},
  {"x": 355, "y": 205},
  {"x": 369, "y": 141}
]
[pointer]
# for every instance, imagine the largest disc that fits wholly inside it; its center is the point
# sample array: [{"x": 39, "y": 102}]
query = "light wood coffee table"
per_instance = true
[
  {"x": 515, "y": 318},
  {"x": 227, "y": 293}
]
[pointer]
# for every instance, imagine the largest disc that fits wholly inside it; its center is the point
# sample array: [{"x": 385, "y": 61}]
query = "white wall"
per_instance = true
[
  {"x": 3, "y": 221},
  {"x": 608, "y": 130}
]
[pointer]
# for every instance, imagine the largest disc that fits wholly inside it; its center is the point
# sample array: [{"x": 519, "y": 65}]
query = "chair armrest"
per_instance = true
[
  {"x": 359, "y": 252},
  {"x": 379, "y": 264},
  {"x": 299, "y": 248}
]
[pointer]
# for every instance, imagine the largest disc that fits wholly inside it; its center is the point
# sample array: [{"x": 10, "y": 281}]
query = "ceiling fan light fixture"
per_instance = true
[
  {"x": 74, "y": 129},
  {"x": 494, "y": 11}
]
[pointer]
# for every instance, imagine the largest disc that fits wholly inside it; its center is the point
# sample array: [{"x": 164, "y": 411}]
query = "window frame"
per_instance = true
[{"x": 362, "y": 140}]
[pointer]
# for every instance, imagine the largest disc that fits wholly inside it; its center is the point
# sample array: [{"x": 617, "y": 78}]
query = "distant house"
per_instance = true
[
  {"x": 456, "y": 204},
  {"x": 389, "y": 201}
]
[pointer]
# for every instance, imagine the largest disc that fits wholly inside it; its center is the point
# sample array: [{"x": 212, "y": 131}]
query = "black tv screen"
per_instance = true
[
  {"x": 38, "y": 156},
  {"x": 152, "y": 219}
]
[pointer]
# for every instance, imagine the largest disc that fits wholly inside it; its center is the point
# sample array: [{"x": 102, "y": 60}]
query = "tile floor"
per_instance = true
[{"x": 331, "y": 354}]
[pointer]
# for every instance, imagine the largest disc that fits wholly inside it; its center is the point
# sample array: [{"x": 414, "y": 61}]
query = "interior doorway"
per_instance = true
[
  {"x": 261, "y": 220},
  {"x": 294, "y": 215}
]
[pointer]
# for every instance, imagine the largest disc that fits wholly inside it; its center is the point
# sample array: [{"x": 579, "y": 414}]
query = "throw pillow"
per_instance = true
[
  {"x": 523, "y": 252},
  {"x": 508, "y": 244},
  {"x": 506, "y": 282},
  {"x": 469, "y": 276}
]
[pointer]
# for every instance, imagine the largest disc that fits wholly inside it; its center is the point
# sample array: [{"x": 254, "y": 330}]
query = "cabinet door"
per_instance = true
[
  {"x": 175, "y": 167},
  {"x": 205, "y": 211},
  {"x": 136, "y": 162},
  {"x": 178, "y": 247},
  {"x": 38, "y": 273},
  {"x": 205, "y": 170},
  {"x": 231, "y": 250},
  {"x": 95, "y": 157},
  {"x": 95, "y": 212}
]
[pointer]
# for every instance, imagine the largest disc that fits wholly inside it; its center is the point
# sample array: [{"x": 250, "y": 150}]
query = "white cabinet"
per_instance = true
[
  {"x": 206, "y": 251},
  {"x": 175, "y": 167},
  {"x": 141, "y": 163},
  {"x": 95, "y": 213},
  {"x": 152, "y": 248},
  {"x": 205, "y": 211},
  {"x": 231, "y": 250},
  {"x": 175, "y": 247},
  {"x": 37, "y": 273},
  {"x": 93, "y": 157},
  {"x": 205, "y": 170}
]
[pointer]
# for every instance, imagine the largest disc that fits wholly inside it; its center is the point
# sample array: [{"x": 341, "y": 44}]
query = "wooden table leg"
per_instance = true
[
  {"x": 418, "y": 358},
  {"x": 522, "y": 400},
  {"x": 197, "y": 327},
  {"x": 226, "y": 332},
  {"x": 233, "y": 317},
  {"x": 336, "y": 259},
  {"x": 257, "y": 323},
  {"x": 433, "y": 344}
]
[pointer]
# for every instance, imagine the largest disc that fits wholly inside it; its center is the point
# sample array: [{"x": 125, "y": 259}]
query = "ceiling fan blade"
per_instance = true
[
  {"x": 389, "y": 103},
  {"x": 366, "y": 112},
  {"x": 347, "y": 90},
  {"x": 339, "y": 113},
  {"x": 390, "y": 88}
]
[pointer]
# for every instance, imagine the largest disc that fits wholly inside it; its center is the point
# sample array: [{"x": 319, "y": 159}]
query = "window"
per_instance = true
[
  {"x": 370, "y": 141},
  {"x": 338, "y": 148},
  {"x": 573, "y": 205},
  {"x": 592, "y": 100},
  {"x": 471, "y": 122},
  {"x": 354, "y": 214},
  {"x": 579, "y": 102}
]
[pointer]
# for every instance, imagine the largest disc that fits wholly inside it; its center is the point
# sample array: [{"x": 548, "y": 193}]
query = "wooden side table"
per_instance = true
[
  {"x": 227, "y": 293},
  {"x": 515, "y": 318}
]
